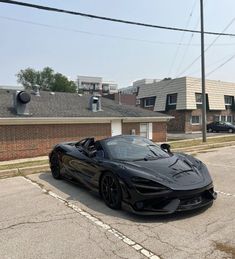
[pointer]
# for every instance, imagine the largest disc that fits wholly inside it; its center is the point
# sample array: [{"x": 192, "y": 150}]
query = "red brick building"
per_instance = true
[{"x": 52, "y": 118}]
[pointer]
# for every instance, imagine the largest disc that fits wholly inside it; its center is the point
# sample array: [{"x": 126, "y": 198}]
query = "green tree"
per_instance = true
[
  {"x": 28, "y": 78},
  {"x": 62, "y": 84},
  {"x": 46, "y": 79}
]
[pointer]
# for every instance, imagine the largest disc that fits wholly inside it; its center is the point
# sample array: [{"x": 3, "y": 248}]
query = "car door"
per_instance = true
[
  {"x": 88, "y": 169},
  {"x": 218, "y": 127},
  {"x": 224, "y": 127}
]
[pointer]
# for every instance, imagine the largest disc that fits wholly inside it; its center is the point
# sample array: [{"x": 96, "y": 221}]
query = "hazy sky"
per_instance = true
[{"x": 147, "y": 53}]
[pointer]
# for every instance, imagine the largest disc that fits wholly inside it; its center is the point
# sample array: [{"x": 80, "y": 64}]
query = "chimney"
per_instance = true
[
  {"x": 99, "y": 103},
  {"x": 95, "y": 103},
  {"x": 119, "y": 97},
  {"x": 20, "y": 100}
]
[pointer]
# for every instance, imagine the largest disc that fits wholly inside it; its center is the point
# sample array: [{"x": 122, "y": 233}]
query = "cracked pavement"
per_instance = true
[{"x": 34, "y": 224}]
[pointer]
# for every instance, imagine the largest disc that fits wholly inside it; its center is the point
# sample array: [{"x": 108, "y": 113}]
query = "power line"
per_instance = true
[
  {"x": 188, "y": 44},
  {"x": 52, "y": 9},
  {"x": 104, "y": 35},
  {"x": 92, "y": 33},
  {"x": 181, "y": 39},
  {"x": 211, "y": 64},
  {"x": 221, "y": 65},
  {"x": 211, "y": 44}
]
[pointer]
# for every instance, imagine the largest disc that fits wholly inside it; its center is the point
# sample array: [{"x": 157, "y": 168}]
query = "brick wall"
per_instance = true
[
  {"x": 127, "y": 127},
  {"x": 178, "y": 123},
  {"x": 210, "y": 118},
  {"x": 159, "y": 130},
  {"x": 129, "y": 99},
  {"x": 24, "y": 141},
  {"x": 188, "y": 126}
]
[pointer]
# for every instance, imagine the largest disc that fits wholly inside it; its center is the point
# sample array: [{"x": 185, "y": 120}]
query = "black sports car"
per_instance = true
[
  {"x": 220, "y": 126},
  {"x": 133, "y": 172}
]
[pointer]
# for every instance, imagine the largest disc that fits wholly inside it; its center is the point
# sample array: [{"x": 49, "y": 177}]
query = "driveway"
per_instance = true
[{"x": 44, "y": 218}]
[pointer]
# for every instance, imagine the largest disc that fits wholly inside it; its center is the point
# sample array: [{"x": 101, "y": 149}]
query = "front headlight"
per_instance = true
[{"x": 146, "y": 186}]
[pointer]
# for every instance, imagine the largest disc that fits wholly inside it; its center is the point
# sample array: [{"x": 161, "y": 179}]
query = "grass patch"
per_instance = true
[
  {"x": 198, "y": 142},
  {"x": 24, "y": 164},
  {"x": 174, "y": 139}
]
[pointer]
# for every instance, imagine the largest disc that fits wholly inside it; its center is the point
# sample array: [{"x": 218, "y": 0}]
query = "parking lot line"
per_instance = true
[
  {"x": 137, "y": 247},
  {"x": 227, "y": 194}
]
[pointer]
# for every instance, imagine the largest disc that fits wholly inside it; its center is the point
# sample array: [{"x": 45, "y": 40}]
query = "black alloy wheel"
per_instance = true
[
  {"x": 111, "y": 191},
  {"x": 55, "y": 166}
]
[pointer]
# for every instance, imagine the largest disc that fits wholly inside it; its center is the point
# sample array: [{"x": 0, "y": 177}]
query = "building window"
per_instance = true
[
  {"x": 198, "y": 97},
  {"x": 217, "y": 118},
  {"x": 195, "y": 120},
  {"x": 172, "y": 99},
  {"x": 149, "y": 102},
  {"x": 229, "y": 118},
  {"x": 224, "y": 118},
  {"x": 228, "y": 100}
]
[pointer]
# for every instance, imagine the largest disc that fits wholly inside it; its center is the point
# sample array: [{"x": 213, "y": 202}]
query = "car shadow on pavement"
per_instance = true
[{"x": 76, "y": 192}]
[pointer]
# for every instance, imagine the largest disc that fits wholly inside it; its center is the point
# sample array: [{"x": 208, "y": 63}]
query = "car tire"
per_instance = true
[
  {"x": 230, "y": 131},
  {"x": 110, "y": 191},
  {"x": 55, "y": 166},
  {"x": 210, "y": 130}
]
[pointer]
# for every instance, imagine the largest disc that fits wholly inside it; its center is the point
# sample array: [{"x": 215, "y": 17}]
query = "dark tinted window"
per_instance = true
[
  {"x": 134, "y": 148},
  {"x": 172, "y": 99}
]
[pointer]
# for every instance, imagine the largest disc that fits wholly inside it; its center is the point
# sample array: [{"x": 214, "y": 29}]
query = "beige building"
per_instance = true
[
  {"x": 91, "y": 84},
  {"x": 181, "y": 97}
]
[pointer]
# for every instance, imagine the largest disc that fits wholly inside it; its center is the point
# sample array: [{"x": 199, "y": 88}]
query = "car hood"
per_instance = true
[{"x": 176, "y": 172}]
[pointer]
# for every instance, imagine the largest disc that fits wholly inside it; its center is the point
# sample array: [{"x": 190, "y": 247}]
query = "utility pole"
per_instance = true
[{"x": 203, "y": 76}]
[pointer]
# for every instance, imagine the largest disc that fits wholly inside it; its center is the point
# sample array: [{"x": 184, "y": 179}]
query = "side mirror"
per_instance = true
[{"x": 166, "y": 147}]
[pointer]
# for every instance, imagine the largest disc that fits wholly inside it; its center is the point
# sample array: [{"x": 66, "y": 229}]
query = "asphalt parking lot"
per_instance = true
[{"x": 44, "y": 218}]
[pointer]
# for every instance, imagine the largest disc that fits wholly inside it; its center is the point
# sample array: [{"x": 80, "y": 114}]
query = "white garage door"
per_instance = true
[{"x": 116, "y": 127}]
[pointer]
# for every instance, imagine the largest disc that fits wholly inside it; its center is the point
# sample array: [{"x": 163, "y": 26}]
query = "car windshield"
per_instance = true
[{"x": 134, "y": 148}]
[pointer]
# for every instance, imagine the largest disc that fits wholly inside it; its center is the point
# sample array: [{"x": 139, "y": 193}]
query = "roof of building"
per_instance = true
[
  {"x": 13, "y": 87},
  {"x": 70, "y": 105},
  {"x": 186, "y": 87}
]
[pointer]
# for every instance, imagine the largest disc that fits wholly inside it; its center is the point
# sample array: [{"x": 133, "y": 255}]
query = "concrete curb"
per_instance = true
[
  {"x": 8, "y": 173},
  {"x": 211, "y": 137},
  {"x": 23, "y": 160},
  {"x": 204, "y": 147},
  {"x": 23, "y": 171}
]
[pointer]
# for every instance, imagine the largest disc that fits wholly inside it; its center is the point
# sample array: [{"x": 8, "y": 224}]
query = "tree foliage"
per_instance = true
[
  {"x": 28, "y": 78},
  {"x": 62, "y": 84},
  {"x": 46, "y": 80}
]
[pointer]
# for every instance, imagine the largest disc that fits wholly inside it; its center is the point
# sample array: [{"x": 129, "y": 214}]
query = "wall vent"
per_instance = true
[{"x": 95, "y": 103}]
